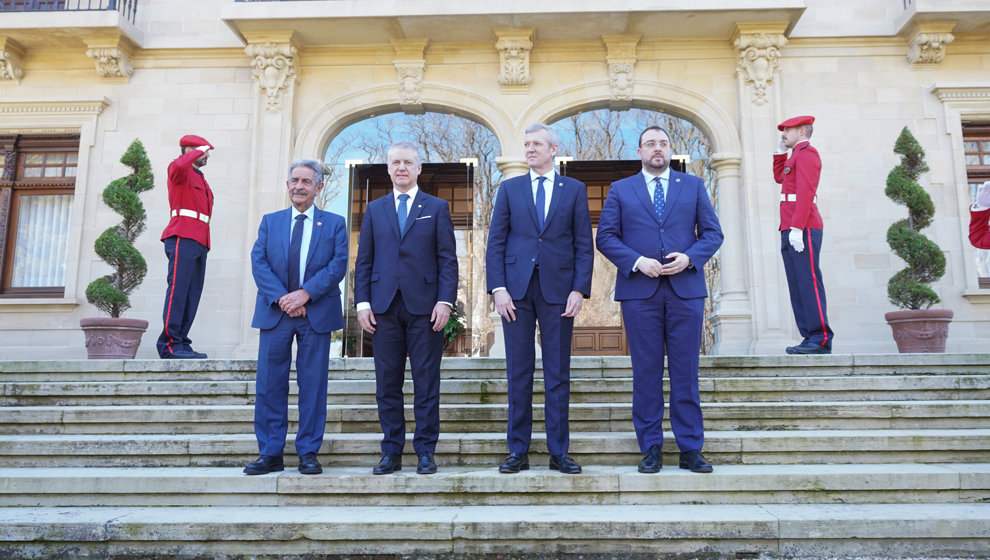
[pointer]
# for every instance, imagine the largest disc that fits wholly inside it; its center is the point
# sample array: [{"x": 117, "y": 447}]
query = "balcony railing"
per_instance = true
[{"x": 127, "y": 8}]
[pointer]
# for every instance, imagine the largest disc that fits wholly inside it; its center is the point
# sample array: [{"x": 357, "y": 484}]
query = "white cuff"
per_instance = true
[{"x": 362, "y": 305}]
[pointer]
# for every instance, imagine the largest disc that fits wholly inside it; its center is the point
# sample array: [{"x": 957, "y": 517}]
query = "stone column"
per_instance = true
[
  {"x": 274, "y": 56},
  {"x": 755, "y": 313}
]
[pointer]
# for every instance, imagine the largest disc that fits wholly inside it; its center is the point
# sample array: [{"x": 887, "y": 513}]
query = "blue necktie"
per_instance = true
[
  {"x": 403, "y": 213},
  {"x": 658, "y": 198},
  {"x": 295, "y": 252},
  {"x": 541, "y": 202}
]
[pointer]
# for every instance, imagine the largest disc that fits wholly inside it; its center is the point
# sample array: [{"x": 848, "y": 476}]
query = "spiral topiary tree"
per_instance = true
[
  {"x": 116, "y": 245},
  {"x": 908, "y": 288}
]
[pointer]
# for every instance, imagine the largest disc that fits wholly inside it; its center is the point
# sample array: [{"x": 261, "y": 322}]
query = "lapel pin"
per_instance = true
[{"x": 319, "y": 223}]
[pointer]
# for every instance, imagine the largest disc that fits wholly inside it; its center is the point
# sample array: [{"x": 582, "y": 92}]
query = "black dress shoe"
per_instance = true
[
  {"x": 809, "y": 348},
  {"x": 564, "y": 464},
  {"x": 514, "y": 463},
  {"x": 197, "y": 355},
  {"x": 309, "y": 465},
  {"x": 651, "y": 462},
  {"x": 389, "y": 464},
  {"x": 426, "y": 464},
  {"x": 184, "y": 355},
  {"x": 265, "y": 464},
  {"x": 694, "y": 461}
]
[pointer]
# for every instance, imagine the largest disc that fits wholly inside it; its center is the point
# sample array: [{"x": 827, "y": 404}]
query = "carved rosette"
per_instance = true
[
  {"x": 513, "y": 52},
  {"x": 111, "y": 62},
  {"x": 759, "y": 61},
  {"x": 11, "y": 60},
  {"x": 410, "y": 77},
  {"x": 928, "y": 48},
  {"x": 274, "y": 70}
]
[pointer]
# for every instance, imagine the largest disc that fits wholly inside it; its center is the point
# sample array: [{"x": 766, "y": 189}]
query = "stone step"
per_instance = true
[
  {"x": 450, "y": 486},
  {"x": 493, "y": 391},
  {"x": 593, "y": 531},
  {"x": 472, "y": 449},
  {"x": 584, "y": 417},
  {"x": 484, "y": 368}
]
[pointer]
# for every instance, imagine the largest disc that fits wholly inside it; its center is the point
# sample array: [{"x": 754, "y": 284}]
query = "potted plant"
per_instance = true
[
  {"x": 455, "y": 326},
  {"x": 917, "y": 328},
  {"x": 114, "y": 336}
]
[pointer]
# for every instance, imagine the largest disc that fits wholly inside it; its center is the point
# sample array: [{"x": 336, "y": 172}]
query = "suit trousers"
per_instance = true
[
  {"x": 397, "y": 333},
  {"x": 520, "y": 362},
  {"x": 272, "y": 386},
  {"x": 804, "y": 281},
  {"x": 671, "y": 325},
  {"x": 186, "y": 275}
]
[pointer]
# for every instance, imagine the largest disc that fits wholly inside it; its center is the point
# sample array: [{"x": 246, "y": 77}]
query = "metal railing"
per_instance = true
[{"x": 127, "y": 8}]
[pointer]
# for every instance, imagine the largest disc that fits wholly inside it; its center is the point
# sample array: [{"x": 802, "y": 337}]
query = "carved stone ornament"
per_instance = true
[
  {"x": 620, "y": 80},
  {"x": 621, "y": 59},
  {"x": 111, "y": 62},
  {"x": 274, "y": 70},
  {"x": 759, "y": 61},
  {"x": 513, "y": 53},
  {"x": 11, "y": 61},
  {"x": 410, "y": 76},
  {"x": 928, "y": 48}
]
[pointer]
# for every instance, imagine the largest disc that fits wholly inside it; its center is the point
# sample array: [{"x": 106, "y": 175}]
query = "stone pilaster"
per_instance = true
[
  {"x": 759, "y": 57},
  {"x": 274, "y": 70},
  {"x": 621, "y": 59},
  {"x": 11, "y": 60},
  {"x": 513, "y": 55},
  {"x": 410, "y": 65},
  {"x": 927, "y": 41}
]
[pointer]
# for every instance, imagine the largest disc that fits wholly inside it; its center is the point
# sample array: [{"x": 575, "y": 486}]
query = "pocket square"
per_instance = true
[{"x": 423, "y": 217}]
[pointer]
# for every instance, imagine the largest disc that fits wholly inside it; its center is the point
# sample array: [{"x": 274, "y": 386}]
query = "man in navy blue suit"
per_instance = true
[
  {"x": 539, "y": 262},
  {"x": 659, "y": 229},
  {"x": 405, "y": 285},
  {"x": 298, "y": 261}
]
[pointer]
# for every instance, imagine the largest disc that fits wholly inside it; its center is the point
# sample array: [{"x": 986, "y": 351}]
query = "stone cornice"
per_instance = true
[
  {"x": 961, "y": 92},
  {"x": 92, "y": 107}
]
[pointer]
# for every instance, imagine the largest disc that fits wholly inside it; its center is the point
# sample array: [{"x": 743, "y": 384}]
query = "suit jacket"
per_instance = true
[
  {"x": 326, "y": 264},
  {"x": 188, "y": 190},
  {"x": 979, "y": 228},
  {"x": 629, "y": 228},
  {"x": 422, "y": 262},
  {"x": 564, "y": 249},
  {"x": 798, "y": 176}
]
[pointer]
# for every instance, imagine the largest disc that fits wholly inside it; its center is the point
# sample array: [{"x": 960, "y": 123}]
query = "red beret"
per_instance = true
[
  {"x": 194, "y": 141},
  {"x": 796, "y": 121}
]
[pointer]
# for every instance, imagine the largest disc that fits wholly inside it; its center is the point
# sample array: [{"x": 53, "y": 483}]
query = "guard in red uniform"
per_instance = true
[
  {"x": 801, "y": 233},
  {"x": 979, "y": 218},
  {"x": 187, "y": 241}
]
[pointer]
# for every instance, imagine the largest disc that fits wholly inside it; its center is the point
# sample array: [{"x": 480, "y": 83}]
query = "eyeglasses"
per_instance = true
[{"x": 652, "y": 144}]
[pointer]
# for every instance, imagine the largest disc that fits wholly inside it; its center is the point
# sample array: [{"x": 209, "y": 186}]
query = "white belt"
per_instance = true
[
  {"x": 793, "y": 198},
  {"x": 191, "y": 214}
]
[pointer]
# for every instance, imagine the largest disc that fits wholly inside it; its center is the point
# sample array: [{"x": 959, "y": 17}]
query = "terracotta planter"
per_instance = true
[
  {"x": 920, "y": 330},
  {"x": 108, "y": 338}
]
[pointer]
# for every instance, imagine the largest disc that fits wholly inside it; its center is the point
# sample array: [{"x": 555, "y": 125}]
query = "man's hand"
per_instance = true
[
  {"x": 575, "y": 300},
  {"x": 292, "y": 301},
  {"x": 504, "y": 305},
  {"x": 299, "y": 312},
  {"x": 441, "y": 313},
  {"x": 650, "y": 267},
  {"x": 796, "y": 239},
  {"x": 983, "y": 195},
  {"x": 781, "y": 147},
  {"x": 680, "y": 262},
  {"x": 366, "y": 318}
]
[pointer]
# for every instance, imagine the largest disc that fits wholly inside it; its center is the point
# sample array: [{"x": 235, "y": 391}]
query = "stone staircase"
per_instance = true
[{"x": 818, "y": 456}]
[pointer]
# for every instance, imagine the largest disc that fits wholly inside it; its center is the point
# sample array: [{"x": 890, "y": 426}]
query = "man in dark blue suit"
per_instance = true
[
  {"x": 539, "y": 261},
  {"x": 659, "y": 229},
  {"x": 405, "y": 285},
  {"x": 298, "y": 261}
]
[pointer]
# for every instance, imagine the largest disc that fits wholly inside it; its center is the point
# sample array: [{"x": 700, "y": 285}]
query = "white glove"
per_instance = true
[
  {"x": 983, "y": 196},
  {"x": 781, "y": 147},
  {"x": 796, "y": 239},
  {"x": 204, "y": 149}
]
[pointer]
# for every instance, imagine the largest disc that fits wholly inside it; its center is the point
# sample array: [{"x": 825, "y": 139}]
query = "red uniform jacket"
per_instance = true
[
  {"x": 798, "y": 176},
  {"x": 189, "y": 192},
  {"x": 979, "y": 228}
]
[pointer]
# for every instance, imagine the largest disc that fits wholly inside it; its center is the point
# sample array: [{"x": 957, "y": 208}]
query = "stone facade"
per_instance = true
[{"x": 267, "y": 82}]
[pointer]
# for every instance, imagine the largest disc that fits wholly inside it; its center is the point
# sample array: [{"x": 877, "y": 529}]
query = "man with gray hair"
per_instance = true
[
  {"x": 298, "y": 261},
  {"x": 539, "y": 262}
]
